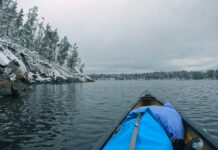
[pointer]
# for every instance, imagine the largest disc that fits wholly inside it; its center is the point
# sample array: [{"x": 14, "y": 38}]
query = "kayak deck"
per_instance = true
[
  {"x": 190, "y": 132},
  {"x": 191, "y": 129}
]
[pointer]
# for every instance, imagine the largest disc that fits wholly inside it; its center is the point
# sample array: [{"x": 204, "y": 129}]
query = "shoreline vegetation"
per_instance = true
[
  {"x": 31, "y": 52},
  {"x": 174, "y": 75}
]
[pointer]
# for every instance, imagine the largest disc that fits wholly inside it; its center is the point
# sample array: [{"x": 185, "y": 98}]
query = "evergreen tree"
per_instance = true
[
  {"x": 19, "y": 26},
  {"x": 7, "y": 17},
  {"x": 34, "y": 36},
  {"x": 30, "y": 27},
  {"x": 46, "y": 42},
  {"x": 79, "y": 64},
  {"x": 39, "y": 36},
  {"x": 49, "y": 45},
  {"x": 55, "y": 40},
  {"x": 81, "y": 69},
  {"x": 19, "y": 19},
  {"x": 73, "y": 58},
  {"x": 12, "y": 14},
  {"x": 2, "y": 21},
  {"x": 63, "y": 49}
]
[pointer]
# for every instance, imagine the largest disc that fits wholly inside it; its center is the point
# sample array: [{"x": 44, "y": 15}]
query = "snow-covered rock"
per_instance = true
[
  {"x": 11, "y": 57},
  {"x": 36, "y": 67},
  {"x": 4, "y": 61}
]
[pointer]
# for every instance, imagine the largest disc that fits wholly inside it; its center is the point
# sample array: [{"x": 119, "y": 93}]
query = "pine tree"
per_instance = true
[
  {"x": 73, "y": 58},
  {"x": 34, "y": 36},
  {"x": 12, "y": 14},
  {"x": 2, "y": 19},
  {"x": 55, "y": 40},
  {"x": 19, "y": 26},
  {"x": 8, "y": 14},
  {"x": 63, "y": 49},
  {"x": 30, "y": 27},
  {"x": 19, "y": 19},
  {"x": 81, "y": 69},
  {"x": 49, "y": 45},
  {"x": 39, "y": 36},
  {"x": 45, "y": 51}
]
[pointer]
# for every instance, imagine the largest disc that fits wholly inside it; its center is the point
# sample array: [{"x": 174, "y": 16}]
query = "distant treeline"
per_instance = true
[{"x": 180, "y": 75}]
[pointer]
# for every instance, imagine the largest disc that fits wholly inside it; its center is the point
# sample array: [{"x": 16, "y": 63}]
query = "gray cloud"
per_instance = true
[{"x": 137, "y": 35}]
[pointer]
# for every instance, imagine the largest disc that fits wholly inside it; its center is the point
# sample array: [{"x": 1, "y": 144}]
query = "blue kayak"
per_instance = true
[
  {"x": 150, "y": 135},
  {"x": 145, "y": 127}
]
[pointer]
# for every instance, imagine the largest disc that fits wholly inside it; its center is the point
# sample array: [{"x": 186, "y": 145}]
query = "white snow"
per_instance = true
[
  {"x": 3, "y": 60},
  {"x": 11, "y": 56},
  {"x": 38, "y": 68}
]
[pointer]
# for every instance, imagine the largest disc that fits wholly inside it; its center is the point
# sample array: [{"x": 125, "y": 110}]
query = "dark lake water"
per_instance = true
[{"x": 76, "y": 115}]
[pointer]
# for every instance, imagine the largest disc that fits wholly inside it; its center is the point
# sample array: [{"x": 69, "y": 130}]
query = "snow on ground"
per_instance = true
[
  {"x": 11, "y": 57},
  {"x": 38, "y": 68},
  {"x": 3, "y": 59}
]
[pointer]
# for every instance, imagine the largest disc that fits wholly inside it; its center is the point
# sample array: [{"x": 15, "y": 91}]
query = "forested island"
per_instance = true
[
  {"x": 32, "y": 52},
  {"x": 177, "y": 75}
]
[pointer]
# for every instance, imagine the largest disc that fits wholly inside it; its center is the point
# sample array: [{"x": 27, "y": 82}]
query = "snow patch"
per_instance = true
[
  {"x": 3, "y": 60},
  {"x": 11, "y": 57}
]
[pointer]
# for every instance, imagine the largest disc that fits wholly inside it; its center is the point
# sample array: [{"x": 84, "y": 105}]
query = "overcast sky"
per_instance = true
[{"x": 128, "y": 36}]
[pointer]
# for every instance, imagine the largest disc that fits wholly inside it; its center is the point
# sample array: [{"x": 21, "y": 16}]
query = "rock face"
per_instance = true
[
  {"x": 18, "y": 86},
  {"x": 37, "y": 68},
  {"x": 9, "y": 87},
  {"x": 19, "y": 67}
]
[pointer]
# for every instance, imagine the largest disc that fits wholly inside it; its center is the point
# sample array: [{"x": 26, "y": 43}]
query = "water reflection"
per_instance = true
[
  {"x": 10, "y": 114},
  {"x": 75, "y": 116}
]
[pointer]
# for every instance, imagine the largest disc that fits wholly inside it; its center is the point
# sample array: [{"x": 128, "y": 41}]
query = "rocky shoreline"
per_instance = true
[
  {"x": 14, "y": 88},
  {"x": 20, "y": 67}
]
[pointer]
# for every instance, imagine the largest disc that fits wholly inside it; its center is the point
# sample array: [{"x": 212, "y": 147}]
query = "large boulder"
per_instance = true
[
  {"x": 12, "y": 88},
  {"x": 19, "y": 75},
  {"x": 5, "y": 87},
  {"x": 22, "y": 77},
  {"x": 11, "y": 69},
  {"x": 18, "y": 86}
]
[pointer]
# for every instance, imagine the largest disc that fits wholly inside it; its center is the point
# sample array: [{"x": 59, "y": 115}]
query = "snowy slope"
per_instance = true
[{"x": 38, "y": 68}]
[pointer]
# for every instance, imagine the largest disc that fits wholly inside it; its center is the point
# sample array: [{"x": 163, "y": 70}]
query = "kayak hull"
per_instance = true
[{"x": 191, "y": 130}]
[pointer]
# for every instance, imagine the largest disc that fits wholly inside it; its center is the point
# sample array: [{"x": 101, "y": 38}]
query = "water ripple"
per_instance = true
[{"x": 76, "y": 116}]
